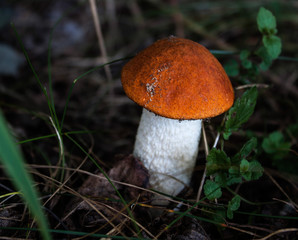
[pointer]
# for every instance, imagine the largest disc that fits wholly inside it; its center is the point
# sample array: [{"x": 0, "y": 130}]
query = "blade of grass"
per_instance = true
[
  {"x": 61, "y": 148},
  {"x": 50, "y": 71},
  {"x": 36, "y": 138},
  {"x": 43, "y": 88},
  {"x": 48, "y": 99},
  {"x": 54, "y": 118},
  {"x": 9, "y": 194},
  {"x": 53, "y": 135},
  {"x": 11, "y": 158}
]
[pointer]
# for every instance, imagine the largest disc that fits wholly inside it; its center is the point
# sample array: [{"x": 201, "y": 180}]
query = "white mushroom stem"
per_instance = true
[{"x": 168, "y": 148}]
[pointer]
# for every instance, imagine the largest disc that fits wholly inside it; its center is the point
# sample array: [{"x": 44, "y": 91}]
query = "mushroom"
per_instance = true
[{"x": 178, "y": 82}]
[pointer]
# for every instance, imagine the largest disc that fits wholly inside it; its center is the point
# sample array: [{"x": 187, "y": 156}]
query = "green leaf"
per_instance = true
[
  {"x": 244, "y": 54},
  {"x": 244, "y": 169},
  {"x": 234, "y": 176},
  {"x": 244, "y": 166},
  {"x": 11, "y": 158},
  {"x": 212, "y": 190},
  {"x": 233, "y": 180},
  {"x": 248, "y": 147},
  {"x": 276, "y": 145},
  {"x": 278, "y": 148},
  {"x": 272, "y": 142},
  {"x": 273, "y": 45},
  {"x": 246, "y": 150},
  {"x": 256, "y": 170},
  {"x": 246, "y": 63},
  {"x": 233, "y": 205},
  {"x": 266, "y": 58},
  {"x": 241, "y": 111},
  {"x": 266, "y": 22},
  {"x": 234, "y": 170},
  {"x": 217, "y": 161},
  {"x": 221, "y": 179},
  {"x": 264, "y": 66},
  {"x": 232, "y": 68}
]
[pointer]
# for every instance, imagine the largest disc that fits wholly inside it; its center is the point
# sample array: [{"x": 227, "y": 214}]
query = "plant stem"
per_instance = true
[{"x": 205, "y": 170}]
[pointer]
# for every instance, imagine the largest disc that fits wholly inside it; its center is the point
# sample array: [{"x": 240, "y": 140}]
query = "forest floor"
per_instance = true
[{"x": 100, "y": 122}]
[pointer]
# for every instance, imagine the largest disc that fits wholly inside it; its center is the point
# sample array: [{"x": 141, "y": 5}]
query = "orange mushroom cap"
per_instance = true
[{"x": 178, "y": 78}]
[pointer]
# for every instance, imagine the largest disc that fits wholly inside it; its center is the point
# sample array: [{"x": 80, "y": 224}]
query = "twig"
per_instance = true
[
  {"x": 101, "y": 42},
  {"x": 241, "y": 230},
  {"x": 258, "y": 85},
  {"x": 216, "y": 140},
  {"x": 205, "y": 170},
  {"x": 278, "y": 232}
]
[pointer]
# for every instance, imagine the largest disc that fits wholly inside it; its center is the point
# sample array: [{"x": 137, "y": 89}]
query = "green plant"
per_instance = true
[
  {"x": 271, "y": 48},
  {"x": 277, "y": 147},
  {"x": 244, "y": 166},
  {"x": 260, "y": 57}
]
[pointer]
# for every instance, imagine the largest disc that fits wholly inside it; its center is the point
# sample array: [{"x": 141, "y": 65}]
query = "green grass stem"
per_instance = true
[{"x": 11, "y": 158}]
